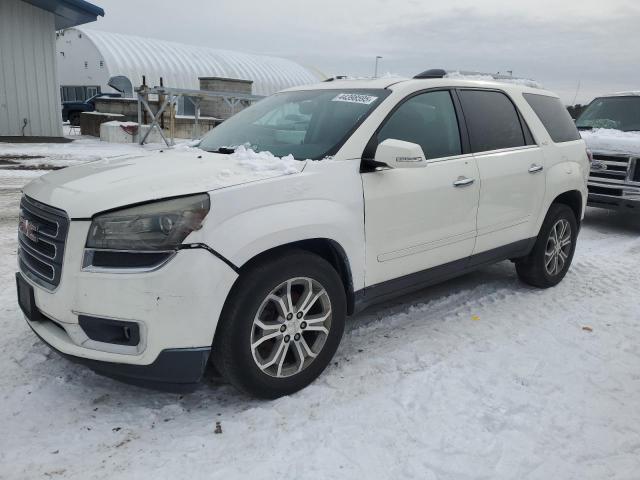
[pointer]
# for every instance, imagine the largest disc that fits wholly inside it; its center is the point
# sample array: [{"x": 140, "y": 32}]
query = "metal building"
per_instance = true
[
  {"x": 29, "y": 92},
  {"x": 88, "y": 59}
]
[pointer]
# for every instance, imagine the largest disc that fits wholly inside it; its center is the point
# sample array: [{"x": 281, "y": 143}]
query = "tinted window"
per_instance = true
[
  {"x": 554, "y": 117},
  {"x": 492, "y": 120},
  {"x": 620, "y": 113},
  {"x": 428, "y": 119}
]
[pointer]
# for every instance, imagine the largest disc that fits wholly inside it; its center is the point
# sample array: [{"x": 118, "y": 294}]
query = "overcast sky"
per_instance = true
[{"x": 559, "y": 43}]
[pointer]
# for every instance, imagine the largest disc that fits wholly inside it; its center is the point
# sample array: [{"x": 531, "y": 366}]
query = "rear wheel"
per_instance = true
[
  {"x": 281, "y": 325},
  {"x": 549, "y": 261}
]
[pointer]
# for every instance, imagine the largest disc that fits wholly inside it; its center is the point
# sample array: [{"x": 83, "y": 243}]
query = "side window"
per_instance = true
[
  {"x": 492, "y": 119},
  {"x": 428, "y": 119},
  {"x": 554, "y": 117}
]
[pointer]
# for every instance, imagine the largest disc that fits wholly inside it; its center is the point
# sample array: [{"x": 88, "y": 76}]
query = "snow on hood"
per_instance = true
[
  {"x": 93, "y": 187},
  {"x": 265, "y": 161},
  {"x": 606, "y": 140}
]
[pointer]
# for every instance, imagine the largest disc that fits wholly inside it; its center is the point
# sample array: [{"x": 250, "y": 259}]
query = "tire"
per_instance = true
[
  {"x": 539, "y": 268},
  {"x": 258, "y": 366},
  {"x": 74, "y": 119}
]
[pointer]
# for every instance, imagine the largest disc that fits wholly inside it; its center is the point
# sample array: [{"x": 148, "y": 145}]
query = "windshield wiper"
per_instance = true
[
  {"x": 223, "y": 150},
  {"x": 584, "y": 127}
]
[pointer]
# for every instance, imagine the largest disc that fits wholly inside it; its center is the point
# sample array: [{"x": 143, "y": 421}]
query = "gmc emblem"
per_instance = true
[{"x": 28, "y": 229}]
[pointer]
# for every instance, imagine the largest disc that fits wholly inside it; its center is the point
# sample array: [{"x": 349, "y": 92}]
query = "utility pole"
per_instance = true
[
  {"x": 375, "y": 72},
  {"x": 576, "y": 95}
]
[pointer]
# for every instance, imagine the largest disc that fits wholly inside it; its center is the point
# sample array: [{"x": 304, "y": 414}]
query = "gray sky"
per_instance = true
[{"x": 556, "y": 42}]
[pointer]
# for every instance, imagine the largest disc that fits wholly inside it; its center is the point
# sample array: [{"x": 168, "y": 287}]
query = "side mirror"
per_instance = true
[{"x": 400, "y": 154}]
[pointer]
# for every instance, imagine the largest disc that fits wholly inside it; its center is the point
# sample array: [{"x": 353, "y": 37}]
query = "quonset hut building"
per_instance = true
[{"x": 89, "y": 60}]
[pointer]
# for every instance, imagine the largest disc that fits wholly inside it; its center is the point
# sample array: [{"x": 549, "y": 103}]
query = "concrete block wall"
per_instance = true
[{"x": 217, "y": 107}]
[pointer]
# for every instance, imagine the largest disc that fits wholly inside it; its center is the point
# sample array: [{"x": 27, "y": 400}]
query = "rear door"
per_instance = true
[{"x": 511, "y": 168}]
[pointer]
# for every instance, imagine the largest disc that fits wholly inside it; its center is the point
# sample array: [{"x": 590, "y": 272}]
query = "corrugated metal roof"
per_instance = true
[{"x": 180, "y": 65}]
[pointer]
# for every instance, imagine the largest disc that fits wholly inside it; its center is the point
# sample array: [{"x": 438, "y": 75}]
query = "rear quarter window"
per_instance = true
[{"x": 554, "y": 117}]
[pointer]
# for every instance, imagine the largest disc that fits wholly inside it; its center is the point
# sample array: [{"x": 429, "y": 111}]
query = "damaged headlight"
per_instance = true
[{"x": 137, "y": 237}]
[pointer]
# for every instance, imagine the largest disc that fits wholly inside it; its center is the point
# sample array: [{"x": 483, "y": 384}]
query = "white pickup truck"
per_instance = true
[{"x": 610, "y": 126}]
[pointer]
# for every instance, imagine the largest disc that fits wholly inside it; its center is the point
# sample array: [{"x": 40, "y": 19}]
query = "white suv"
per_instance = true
[{"x": 145, "y": 268}]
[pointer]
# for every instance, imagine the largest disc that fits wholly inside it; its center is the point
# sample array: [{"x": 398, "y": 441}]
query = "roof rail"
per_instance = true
[{"x": 432, "y": 73}]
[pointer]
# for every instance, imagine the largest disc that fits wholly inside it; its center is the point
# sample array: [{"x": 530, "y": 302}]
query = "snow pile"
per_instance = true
[
  {"x": 120, "y": 124},
  {"x": 607, "y": 140},
  {"x": 525, "y": 82},
  {"x": 264, "y": 161}
]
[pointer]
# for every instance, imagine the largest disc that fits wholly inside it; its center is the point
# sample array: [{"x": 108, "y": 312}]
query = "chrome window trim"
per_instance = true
[{"x": 505, "y": 150}]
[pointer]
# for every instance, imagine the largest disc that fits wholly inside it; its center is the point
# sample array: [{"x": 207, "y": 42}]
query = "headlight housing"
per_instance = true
[{"x": 144, "y": 235}]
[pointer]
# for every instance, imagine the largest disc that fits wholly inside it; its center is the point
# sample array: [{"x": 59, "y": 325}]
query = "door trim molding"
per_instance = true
[{"x": 425, "y": 247}]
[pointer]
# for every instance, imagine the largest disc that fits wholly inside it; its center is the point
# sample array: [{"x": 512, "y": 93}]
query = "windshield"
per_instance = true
[
  {"x": 310, "y": 124},
  {"x": 619, "y": 113}
]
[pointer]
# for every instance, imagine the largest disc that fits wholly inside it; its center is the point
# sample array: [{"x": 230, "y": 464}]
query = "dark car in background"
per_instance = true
[{"x": 71, "y": 110}]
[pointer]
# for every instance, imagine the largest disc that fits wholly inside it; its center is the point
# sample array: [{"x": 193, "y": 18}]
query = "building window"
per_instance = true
[{"x": 75, "y": 93}]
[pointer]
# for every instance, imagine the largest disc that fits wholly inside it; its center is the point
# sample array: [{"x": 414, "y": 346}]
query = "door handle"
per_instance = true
[
  {"x": 534, "y": 168},
  {"x": 463, "y": 182}
]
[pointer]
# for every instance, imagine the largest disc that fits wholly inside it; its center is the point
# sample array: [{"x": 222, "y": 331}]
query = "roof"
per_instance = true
[
  {"x": 69, "y": 13},
  {"x": 353, "y": 83},
  {"x": 632, "y": 93},
  {"x": 181, "y": 65},
  {"x": 411, "y": 84}
]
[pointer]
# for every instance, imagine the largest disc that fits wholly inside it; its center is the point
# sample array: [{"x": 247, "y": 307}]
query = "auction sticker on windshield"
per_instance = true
[{"x": 355, "y": 98}]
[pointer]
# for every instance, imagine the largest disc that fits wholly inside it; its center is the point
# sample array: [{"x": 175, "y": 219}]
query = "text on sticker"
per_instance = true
[{"x": 355, "y": 98}]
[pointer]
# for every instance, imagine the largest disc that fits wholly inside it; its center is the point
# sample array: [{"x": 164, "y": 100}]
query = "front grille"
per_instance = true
[
  {"x": 599, "y": 190},
  {"x": 612, "y": 168},
  {"x": 42, "y": 234}
]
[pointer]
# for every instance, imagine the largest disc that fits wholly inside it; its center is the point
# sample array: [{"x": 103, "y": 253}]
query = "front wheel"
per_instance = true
[
  {"x": 549, "y": 261},
  {"x": 281, "y": 325}
]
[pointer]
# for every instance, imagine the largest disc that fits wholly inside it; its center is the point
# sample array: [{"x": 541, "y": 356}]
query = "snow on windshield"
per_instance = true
[{"x": 613, "y": 141}]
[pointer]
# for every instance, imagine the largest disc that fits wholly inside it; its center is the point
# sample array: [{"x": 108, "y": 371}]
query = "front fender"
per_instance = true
[{"x": 325, "y": 201}]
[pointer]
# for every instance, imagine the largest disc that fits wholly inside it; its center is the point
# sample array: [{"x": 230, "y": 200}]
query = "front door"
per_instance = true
[{"x": 420, "y": 218}]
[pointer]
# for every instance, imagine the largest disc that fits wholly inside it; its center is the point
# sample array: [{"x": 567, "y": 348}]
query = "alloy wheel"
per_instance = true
[
  {"x": 291, "y": 327},
  {"x": 558, "y": 247}
]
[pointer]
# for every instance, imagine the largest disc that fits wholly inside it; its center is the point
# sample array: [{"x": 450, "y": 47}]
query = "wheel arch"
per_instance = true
[
  {"x": 573, "y": 199},
  {"x": 328, "y": 249}
]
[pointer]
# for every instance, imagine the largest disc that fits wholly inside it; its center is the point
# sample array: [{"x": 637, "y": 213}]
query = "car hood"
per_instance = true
[
  {"x": 609, "y": 141},
  {"x": 93, "y": 187}
]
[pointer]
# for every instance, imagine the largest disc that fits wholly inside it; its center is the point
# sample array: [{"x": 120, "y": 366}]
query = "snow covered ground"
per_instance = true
[{"x": 479, "y": 378}]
